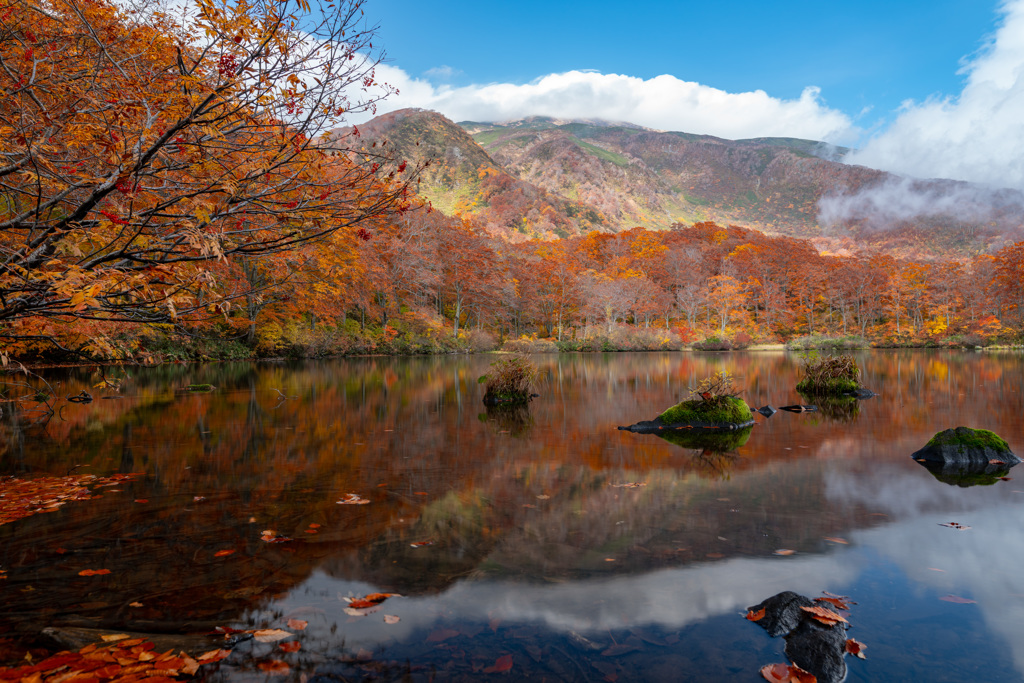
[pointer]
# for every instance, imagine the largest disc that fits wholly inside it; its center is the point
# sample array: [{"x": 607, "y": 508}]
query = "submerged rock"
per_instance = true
[
  {"x": 967, "y": 448},
  {"x": 799, "y": 409}
]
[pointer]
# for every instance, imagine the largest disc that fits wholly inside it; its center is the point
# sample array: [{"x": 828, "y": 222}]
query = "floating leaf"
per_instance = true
[
  {"x": 93, "y": 572},
  {"x": 784, "y": 551},
  {"x": 274, "y": 667},
  {"x": 290, "y": 646},
  {"x": 854, "y": 648},
  {"x": 391, "y": 619},
  {"x": 955, "y": 525},
  {"x": 271, "y": 635},
  {"x": 297, "y": 624},
  {"x": 839, "y": 603},
  {"x": 353, "y": 499},
  {"x": 224, "y": 553},
  {"x": 755, "y": 616},
  {"x": 836, "y": 539},
  {"x": 213, "y": 656},
  {"x": 421, "y": 544}
]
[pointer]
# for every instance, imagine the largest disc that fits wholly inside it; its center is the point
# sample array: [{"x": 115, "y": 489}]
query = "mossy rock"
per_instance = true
[
  {"x": 720, "y": 410},
  {"x": 966, "y": 447},
  {"x": 839, "y": 386},
  {"x": 723, "y": 413}
]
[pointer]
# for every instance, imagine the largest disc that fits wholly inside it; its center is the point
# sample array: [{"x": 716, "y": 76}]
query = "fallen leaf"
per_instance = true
[
  {"x": 314, "y": 525},
  {"x": 198, "y": 499},
  {"x": 839, "y": 603},
  {"x": 297, "y": 624},
  {"x": 114, "y": 637},
  {"x": 958, "y": 600},
  {"x": 501, "y": 664},
  {"x": 274, "y": 667},
  {"x": 630, "y": 485},
  {"x": 776, "y": 673},
  {"x": 290, "y": 646},
  {"x": 224, "y": 553},
  {"x": 135, "y": 604},
  {"x": 93, "y": 572},
  {"x": 353, "y": 499},
  {"x": 755, "y": 616},
  {"x": 391, "y": 619},
  {"x": 420, "y": 544},
  {"x": 352, "y": 612},
  {"x": 213, "y": 656},
  {"x": 836, "y": 539},
  {"x": 141, "y": 500},
  {"x": 825, "y": 616},
  {"x": 856, "y": 649},
  {"x": 271, "y": 635},
  {"x": 996, "y": 462},
  {"x": 955, "y": 525},
  {"x": 371, "y": 600},
  {"x": 784, "y": 551}
]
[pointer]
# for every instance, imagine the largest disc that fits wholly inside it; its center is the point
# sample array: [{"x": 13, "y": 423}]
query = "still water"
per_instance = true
[{"x": 509, "y": 536}]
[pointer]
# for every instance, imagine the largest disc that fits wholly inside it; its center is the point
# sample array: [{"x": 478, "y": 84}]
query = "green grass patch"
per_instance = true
[{"x": 601, "y": 153}]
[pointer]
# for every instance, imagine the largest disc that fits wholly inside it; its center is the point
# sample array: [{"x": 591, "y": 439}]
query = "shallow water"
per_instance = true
[{"x": 529, "y": 553}]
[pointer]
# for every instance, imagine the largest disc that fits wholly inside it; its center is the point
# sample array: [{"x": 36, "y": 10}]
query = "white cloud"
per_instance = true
[
  {"x": 977, "y": 136},
  {"x": 662, "y": 102}
]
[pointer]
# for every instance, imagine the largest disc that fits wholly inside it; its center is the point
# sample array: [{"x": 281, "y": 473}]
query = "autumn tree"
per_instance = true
[{"x": 135, "y": 153}]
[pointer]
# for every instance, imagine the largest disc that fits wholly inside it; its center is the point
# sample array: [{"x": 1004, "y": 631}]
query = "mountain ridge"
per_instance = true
[{"x": 547, "y": 177}]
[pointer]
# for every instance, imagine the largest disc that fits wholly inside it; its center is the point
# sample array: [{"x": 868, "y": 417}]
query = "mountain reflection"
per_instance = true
[{"x": 544, "y": 515}]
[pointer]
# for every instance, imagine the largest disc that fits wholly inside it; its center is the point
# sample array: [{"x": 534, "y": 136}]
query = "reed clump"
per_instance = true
[{"x": 829, "y": 375}]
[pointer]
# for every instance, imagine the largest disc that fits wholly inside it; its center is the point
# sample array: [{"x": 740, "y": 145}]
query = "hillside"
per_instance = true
[
  {"x": 462, "y": 178},
  {"x": 542, "y": 177}
]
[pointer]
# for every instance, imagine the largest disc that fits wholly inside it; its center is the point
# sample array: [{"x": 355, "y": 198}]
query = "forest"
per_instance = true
[{"x": 171, "y": 189}]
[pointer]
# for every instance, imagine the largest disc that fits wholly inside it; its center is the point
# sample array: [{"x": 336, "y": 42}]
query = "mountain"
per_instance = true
[{"x": 546, "y": 177}]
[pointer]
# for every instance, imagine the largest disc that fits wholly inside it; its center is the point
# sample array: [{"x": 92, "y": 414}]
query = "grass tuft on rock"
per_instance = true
[
  {"x": 510, "y": 380},
  {"x": 829, "y": 376},
  {"x": 714, "y": 400}
]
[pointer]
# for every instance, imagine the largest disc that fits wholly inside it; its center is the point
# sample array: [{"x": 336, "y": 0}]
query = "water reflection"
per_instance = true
[{"x": 520, "y": 517}]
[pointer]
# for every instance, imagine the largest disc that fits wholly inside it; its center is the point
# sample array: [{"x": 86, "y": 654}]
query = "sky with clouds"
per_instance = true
[{"x": 927, "y": 89}]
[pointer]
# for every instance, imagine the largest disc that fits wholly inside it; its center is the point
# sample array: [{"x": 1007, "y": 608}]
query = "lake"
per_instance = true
[{"x": 542, "y": 542}]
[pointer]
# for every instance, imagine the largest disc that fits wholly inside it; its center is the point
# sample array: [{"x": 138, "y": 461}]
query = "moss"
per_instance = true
[
  {"x": 973, "y": 438},
  {"x": 834, "y": 386},
  {"x": 719, "y": 410},
  {"x": 718, "y": 441}
]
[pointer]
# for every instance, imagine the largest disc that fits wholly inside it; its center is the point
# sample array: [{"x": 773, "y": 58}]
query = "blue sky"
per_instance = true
[
  {"x": 919, "y": 88},
  {"x": 866, "y": 57}
]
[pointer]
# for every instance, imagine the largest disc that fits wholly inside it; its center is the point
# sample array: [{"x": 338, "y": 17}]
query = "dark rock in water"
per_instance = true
[
  {"x": 811, "y": 645},
  {"x": 968, "y": 448},
  {"x": 782, "y": 612},
  {"x": 862, "y": 394},
  {"x": 799, "y": 409},
  {"x": 767, "y": 411},
  {"x": 818, "y": 649}
]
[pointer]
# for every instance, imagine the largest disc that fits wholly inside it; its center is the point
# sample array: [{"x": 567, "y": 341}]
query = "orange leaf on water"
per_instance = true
[
  {"x": 776, "y": 673},
  {"x": 93, "y": 572},
  {"x": 274, "y": 667},
  {"x": 298, "y": 624},
  {"x": 290, "y": 646},
  {"x": 224, "y": 553},
  {"x": 755, "y": 616},
  {"x": 856, "y": 649}
]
